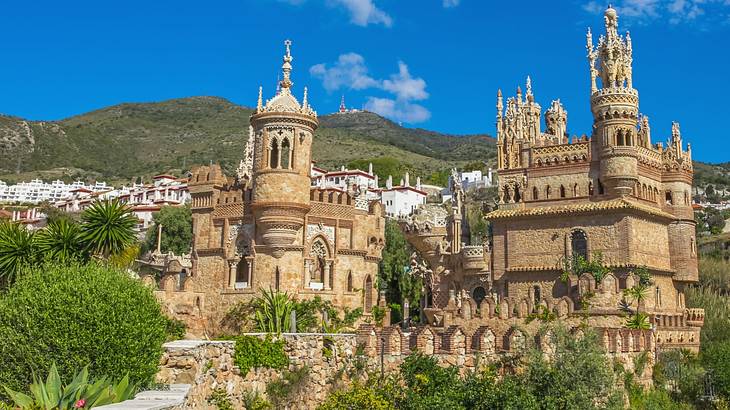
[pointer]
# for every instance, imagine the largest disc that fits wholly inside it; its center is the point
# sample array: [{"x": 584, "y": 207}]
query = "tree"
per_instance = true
[
  {"x": 394, "y": 274},
  {"x": 17, "y": 250},
  {"x": 76, "y": 315},
  {"x": 108, "y": 228},
  {"x": 177, "y": 230},
  {"x": 61, "y": 241}
]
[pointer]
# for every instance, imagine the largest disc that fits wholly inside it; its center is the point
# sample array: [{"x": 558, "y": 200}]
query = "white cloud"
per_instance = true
[
  {"x": 350, "y": 72},
  {"x": 451, "y": 3},
  {"x": 404, "y": 86},
  {"x": 672, "y": 11},
  {"x": 398, "y": 110},
  {"x": 364, "y": 12}
]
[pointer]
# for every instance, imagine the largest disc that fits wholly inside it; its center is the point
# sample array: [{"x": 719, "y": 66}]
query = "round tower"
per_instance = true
[
  {"x": 283, "y": 131},
  {"x": 615, "y": 107}
]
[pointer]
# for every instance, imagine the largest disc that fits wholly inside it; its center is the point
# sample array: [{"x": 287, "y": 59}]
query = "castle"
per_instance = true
[
  {"x": 269, "y": 228},
  {"x": 579, "y": 220},
  {"x": 615, "y": 198}
]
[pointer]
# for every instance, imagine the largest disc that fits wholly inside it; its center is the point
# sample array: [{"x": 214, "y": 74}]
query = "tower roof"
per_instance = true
[{"x": 284, "y": 100}]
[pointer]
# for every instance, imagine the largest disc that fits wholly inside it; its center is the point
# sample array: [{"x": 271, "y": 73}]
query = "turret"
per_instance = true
[
  {"x": 615, "y": 107},
  {"x": 283, "y": 131}
]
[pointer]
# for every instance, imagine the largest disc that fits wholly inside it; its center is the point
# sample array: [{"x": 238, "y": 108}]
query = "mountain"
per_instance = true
[{"x": 142, "y": 139}]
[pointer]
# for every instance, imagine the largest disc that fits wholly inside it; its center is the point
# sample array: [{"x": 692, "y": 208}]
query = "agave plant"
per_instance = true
[
  {"x": 637, "y": 319},
  {"x": 273, "y": 310},
  {"x": 108, "y": 228},
  {"x": 61, "y": 241},
  {"x": 17, "y": 249},
  {"x": 79, "y": 394}
]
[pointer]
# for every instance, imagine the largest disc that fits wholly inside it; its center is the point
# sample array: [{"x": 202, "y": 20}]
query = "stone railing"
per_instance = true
[{"x": 172, "y": 399}]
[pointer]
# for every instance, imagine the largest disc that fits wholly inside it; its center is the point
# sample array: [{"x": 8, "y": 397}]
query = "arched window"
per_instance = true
[
  {"x": 668, "y": 198},
  {"x": 368, "y": 305},
  {"x": 579, "y": 243},
  {"x": 562, "y": 191},
  {"x": 349, "y": 281},
  {"x": 600, "y": 187},
  {"x": 629, "y": 139},
  {"x": 575, "y": 190},
  {"x": 277, "y": 279},
  {"x": 590, "y": 188},
  {"x": 534, "y": 193},
  {"x": 479, "y": 294},
  {"x": 274, "y": 154},
  {"x": 536, "y": 295},
  {"x": 319, "y": 254},
  {"x": 285, "y": 154},
  {"x": 620, "y": 137},
  {"x": 547, "y": 192},
  {"x": 518, "y": 196}
]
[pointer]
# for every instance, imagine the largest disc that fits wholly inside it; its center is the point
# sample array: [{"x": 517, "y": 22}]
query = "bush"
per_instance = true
[
  {"x": 79, "y": 315},
  {"x": 358, "y": 396},
  {"x": 717, "y": 358},
  {"x": 252, "y": 352},
  {"x": 175, "y": 329}
]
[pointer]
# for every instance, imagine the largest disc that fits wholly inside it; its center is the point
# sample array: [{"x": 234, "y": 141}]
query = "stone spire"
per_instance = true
[
  {"x": 284, "y": 100},
  {"x": 612, "y": 59},
  {"x": 285, "y": 84}
]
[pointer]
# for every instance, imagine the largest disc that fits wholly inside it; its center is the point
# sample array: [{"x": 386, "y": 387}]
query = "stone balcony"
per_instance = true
[{"x": 474, "y": 257}]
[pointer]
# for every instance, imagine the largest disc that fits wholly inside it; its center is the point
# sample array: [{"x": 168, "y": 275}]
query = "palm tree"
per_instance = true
[
  {"x": 108, "y": 228},
  {"x": 61, "y": 241},
  {"x": 17, "y": 250},
  {"x": 638, "y": 320}
]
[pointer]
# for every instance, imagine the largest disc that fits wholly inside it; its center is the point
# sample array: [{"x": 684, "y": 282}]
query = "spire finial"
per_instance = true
[
  {"x": 304, "y": 99},
  {"x": 528, "y": 85},
  {"x": 286, "y": 83},
  {"x": 260, "y": 103}
]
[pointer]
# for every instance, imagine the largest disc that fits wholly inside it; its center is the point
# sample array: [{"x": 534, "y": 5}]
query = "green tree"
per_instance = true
[
  {"x": 108, "y": 228},
  {"x": 76, "y": 315},
  {"x": 177, "y": 230},
  {"x": 578, "y": 376},
  {"x": 61, "y": 241},
  {"x": 394, "y": 270},
  {"x": 17, "y": 250}
]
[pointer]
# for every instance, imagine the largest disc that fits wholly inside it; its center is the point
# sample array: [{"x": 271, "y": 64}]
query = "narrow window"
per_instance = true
[
  {"x": 668, "y": 197},
  {"x": 534, "y": 193},
  {"x": 285, "y": 154},
  {"x": 274, "y": 154},
  {"x": 537, "y": 296},
  {"x": 562, "y": 191},
  {"x": 547, "y": 192},
  {"x": 590, "y": 188},
  {"x": 349, "y": 281},
  {"x": 579, "y": 243}
]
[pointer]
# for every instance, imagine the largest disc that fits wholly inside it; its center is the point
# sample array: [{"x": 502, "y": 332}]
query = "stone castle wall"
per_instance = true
[{"x": 208, "y": 365}]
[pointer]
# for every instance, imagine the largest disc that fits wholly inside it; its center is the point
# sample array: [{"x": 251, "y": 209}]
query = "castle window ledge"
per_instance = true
[
  {"x": 241, "y": 285},
  {"x": 309, "y": 291},
  {"x": 316, "y": 285},
  {"x": 237, "y": 291}
]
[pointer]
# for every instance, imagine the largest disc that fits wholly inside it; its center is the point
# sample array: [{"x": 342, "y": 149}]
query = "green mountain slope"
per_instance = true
[{"x": 130, "y": 140}]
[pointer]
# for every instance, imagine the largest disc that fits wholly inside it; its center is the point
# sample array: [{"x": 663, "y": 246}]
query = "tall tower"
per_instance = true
[
  {"x": 615, "y": 107},
  {"x": 283, "y": 131}
]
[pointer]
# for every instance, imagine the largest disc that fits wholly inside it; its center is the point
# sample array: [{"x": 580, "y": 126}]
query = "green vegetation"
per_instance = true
[
  {"x": 578, "y": 265},
  {"x": 177, "y": 230},
  {"x": 273, "y": 311},
  {"x": 106, "y": 232},
  {"x": 125, "y": 141},
  {"x": 394, "y": 271},
  {"x": 76, "y": 315},
  {"x": 80, "y": 393},
  {"x": 220, "y": 399},
  {"x": 252, "y": 352},
  {"x": 280, "y": 391},
  {"x": 579, "y": 377}
]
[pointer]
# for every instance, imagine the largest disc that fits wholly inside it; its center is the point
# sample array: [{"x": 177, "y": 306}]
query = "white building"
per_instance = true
[
  {"x": 145, "y": 199},
  {"x": 37, "y": 191},
  {"x": 403, "y": 199},
  {"x": 398, "y": 200},
  {"x": 470, "y": 180}
]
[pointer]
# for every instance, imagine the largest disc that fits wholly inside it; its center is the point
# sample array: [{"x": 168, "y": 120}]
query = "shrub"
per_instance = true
[
  {"x": 80, "y": 393},
  {"x": 358, "y": 396},
  {"x": 717, "y": 358},
  {"x": 175, "y": 329},
  {"x": 79, "y": 315},
  {"x": 252, "y": 352}
]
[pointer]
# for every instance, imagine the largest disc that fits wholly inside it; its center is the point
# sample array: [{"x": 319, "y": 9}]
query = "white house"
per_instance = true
[
  {"x": 403, "y": 199},
  {"x": 37, "y": 191}
]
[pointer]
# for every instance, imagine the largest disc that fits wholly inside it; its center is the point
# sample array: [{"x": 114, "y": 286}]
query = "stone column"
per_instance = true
[
  {"x": 231, "y": 274},
  {"x": 307, "y": 274},
  {"x": 249, "y": 274},
  {"x": 327, "y": 267}
]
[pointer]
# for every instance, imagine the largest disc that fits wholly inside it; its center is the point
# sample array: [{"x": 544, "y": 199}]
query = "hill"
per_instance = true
[{"x": 142, "y": 139}]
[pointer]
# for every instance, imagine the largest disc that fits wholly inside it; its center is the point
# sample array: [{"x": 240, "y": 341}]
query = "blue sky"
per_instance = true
[{"x": 435, "y": 64}]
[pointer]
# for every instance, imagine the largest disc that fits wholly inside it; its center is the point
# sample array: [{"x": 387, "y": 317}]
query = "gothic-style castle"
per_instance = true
[{"x": 615, "y": 196}]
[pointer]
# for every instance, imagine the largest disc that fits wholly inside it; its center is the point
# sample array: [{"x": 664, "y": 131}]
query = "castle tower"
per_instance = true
[
  {"x": 615, "y": 107},
  {"x": 283, "y": 131}
]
